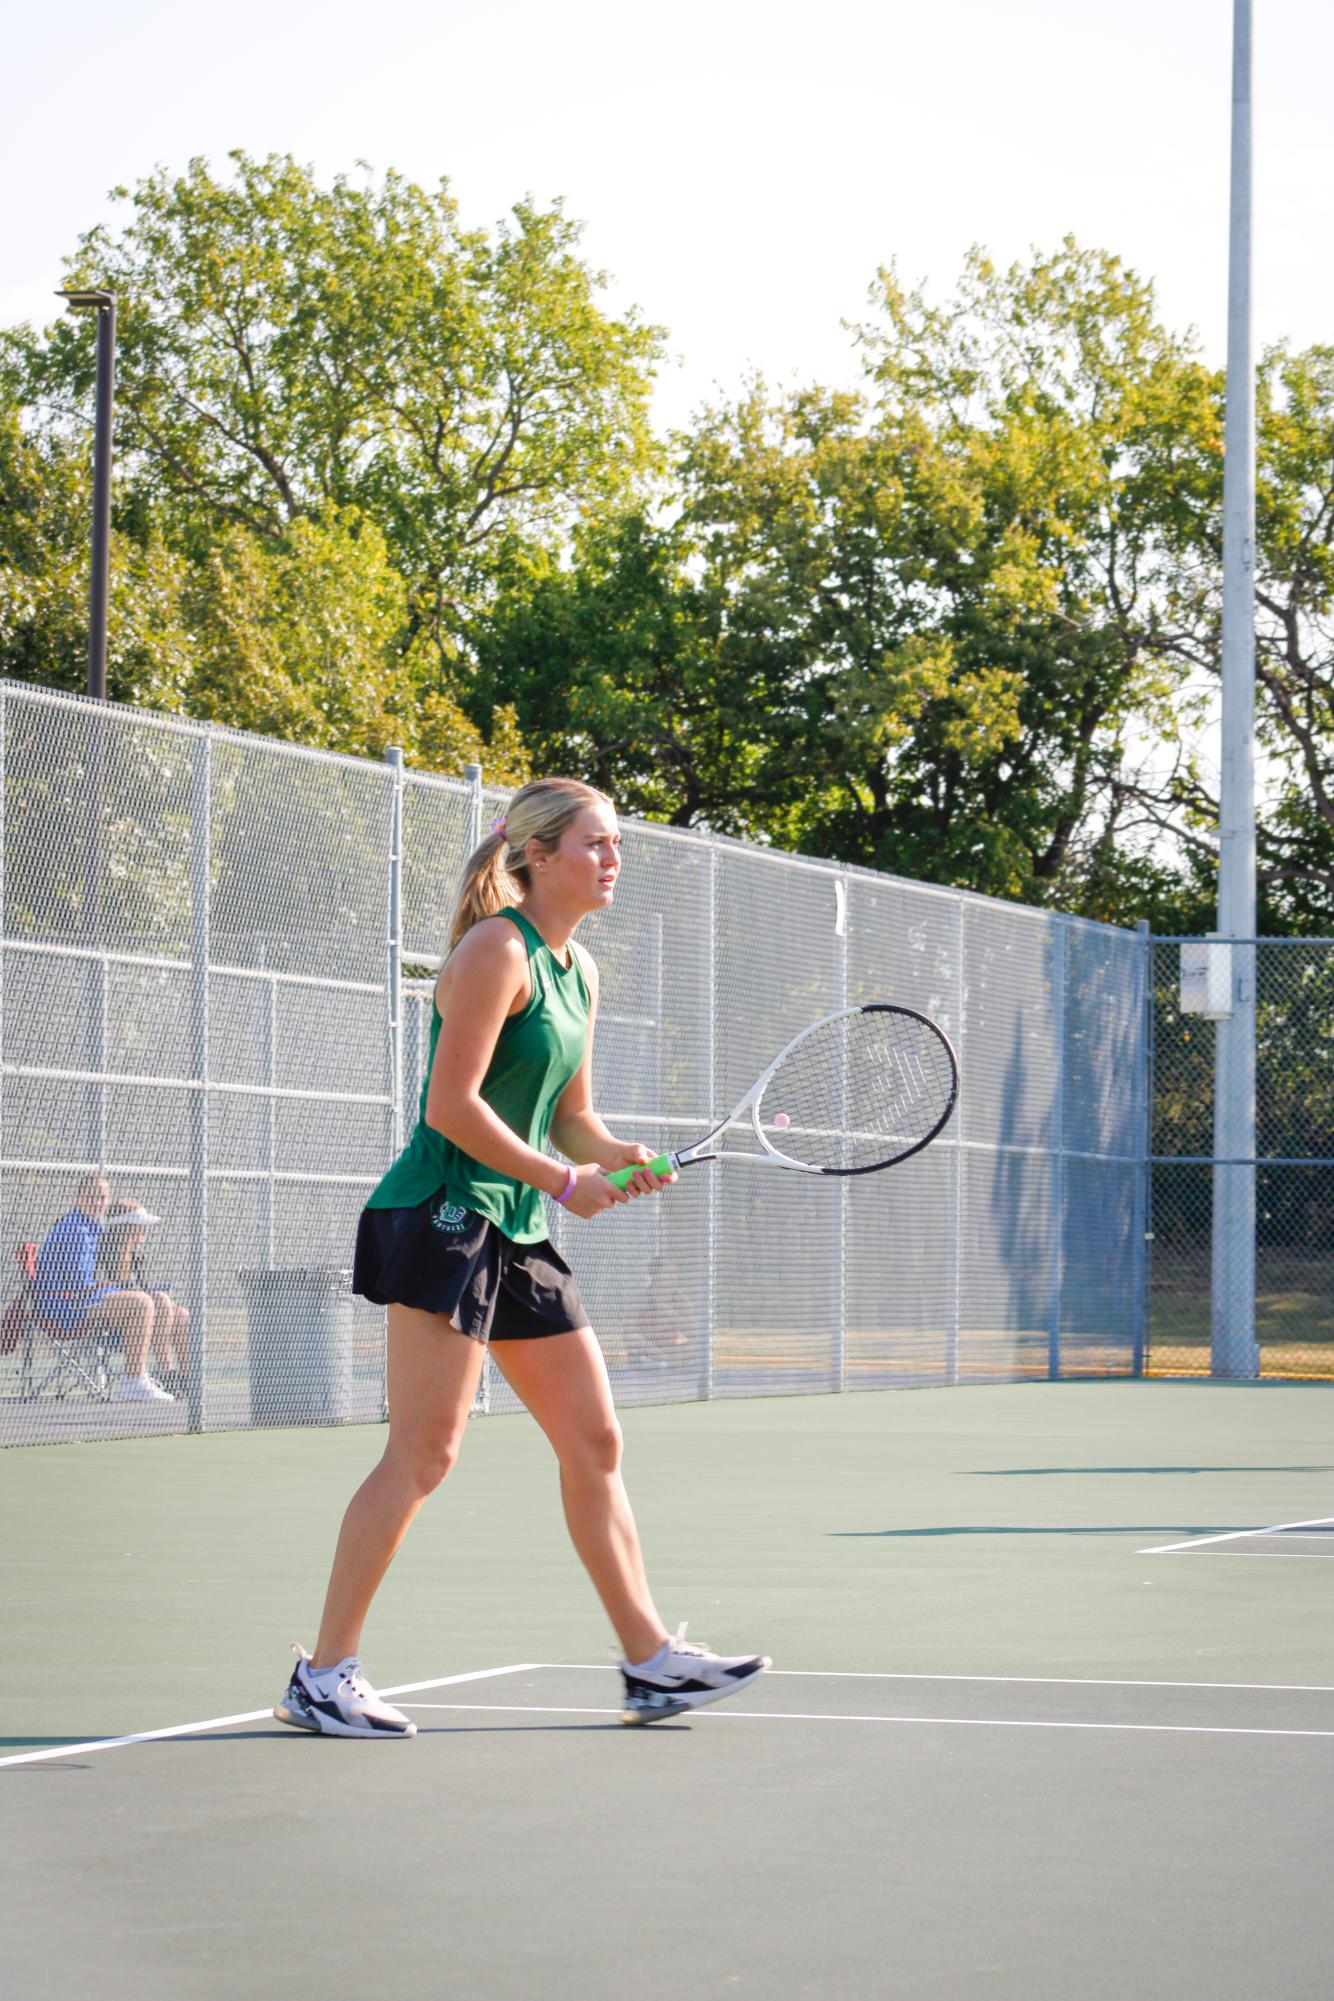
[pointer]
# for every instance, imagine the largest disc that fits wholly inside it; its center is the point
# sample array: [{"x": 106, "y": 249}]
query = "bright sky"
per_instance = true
[{"x": 742, "y": 169}]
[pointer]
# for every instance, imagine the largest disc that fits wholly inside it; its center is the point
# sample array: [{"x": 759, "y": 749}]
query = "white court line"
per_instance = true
[
  {"x": 1279, "y": 1556},
  {"x": 801, "y": 1674},
  {"x": 1233, "y": 1535},
  {"x": 960, "y": 1722},
  {"x": 1024, "y": 1680},
  {"x": 250, "y": 1716}
]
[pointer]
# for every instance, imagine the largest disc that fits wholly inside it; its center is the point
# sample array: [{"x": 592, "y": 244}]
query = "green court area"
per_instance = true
[{"x": 1051, "y": 1715}]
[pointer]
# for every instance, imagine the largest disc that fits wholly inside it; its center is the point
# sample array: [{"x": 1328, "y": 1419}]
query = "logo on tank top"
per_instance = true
[{"x": 449, "y": 1218}]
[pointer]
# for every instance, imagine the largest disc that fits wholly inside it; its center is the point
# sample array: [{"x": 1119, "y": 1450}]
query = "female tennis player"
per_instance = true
[{"x": 454, "y": 1243}]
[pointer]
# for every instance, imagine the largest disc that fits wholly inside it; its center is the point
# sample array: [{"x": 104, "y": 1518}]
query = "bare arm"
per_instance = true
[{"x": 576, "y": 1128}]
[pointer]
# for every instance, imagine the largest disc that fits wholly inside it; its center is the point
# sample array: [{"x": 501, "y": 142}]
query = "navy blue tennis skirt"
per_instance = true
[{"x": 442, "y": 1258}]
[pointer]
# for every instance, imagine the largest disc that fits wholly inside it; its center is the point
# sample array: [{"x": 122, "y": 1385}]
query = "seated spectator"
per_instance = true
[
  {"x": 120, "y": 1263},
  {"x": 660, "y": 1325},
  {"x": 70, "y": 1301}
]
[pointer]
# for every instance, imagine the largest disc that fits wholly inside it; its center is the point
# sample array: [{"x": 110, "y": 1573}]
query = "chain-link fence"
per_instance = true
[
  {"x": 1277, "y": 994},
  {"x": 215, "y": 997}
]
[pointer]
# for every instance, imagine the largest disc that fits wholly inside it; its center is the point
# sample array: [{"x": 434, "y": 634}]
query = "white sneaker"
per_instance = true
[
  {"x": 350, "y": 1708},
  {"x": 141, "y": 1389},
  {"x": 684, "y": 1677}
]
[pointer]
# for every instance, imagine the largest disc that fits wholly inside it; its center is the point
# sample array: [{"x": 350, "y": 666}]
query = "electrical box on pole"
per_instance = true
[{"x": 1206, "y": 978}]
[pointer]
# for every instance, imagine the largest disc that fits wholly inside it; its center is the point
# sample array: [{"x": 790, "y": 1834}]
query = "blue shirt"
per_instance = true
[{"x": 67, "y": 1260}]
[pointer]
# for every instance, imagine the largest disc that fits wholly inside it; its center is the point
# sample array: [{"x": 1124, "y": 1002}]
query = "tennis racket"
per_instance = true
[{"x": 858, "y": 1091}]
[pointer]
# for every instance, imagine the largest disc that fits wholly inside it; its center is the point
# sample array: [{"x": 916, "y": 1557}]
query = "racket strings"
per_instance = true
[{"x": 859, "y": 1091}]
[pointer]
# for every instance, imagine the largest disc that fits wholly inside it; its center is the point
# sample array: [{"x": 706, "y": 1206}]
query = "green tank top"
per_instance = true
[{"x": 537, "y": 1052}]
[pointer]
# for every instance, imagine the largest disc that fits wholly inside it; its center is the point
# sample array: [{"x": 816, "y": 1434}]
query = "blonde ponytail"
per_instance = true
[
  {"x": 495, "y": 875},
  {"x": 488, "y": 886}
]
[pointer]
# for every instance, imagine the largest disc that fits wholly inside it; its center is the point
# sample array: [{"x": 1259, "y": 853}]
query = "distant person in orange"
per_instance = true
[
  {"x": 70, "y": 1299},
  {"x": 120, "y": 1262}
]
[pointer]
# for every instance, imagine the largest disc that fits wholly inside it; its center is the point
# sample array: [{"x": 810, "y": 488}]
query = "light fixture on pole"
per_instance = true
[{"x": 80, "y": 300}]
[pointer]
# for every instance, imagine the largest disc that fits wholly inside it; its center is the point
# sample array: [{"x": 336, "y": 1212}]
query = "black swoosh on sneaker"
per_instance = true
[{"x": 326, "y": 1706}]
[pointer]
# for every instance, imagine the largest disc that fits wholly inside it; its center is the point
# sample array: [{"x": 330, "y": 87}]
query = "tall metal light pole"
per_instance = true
[
  {"x": 1234, "y": 1349},
  {"x": 104, "y": 305}
]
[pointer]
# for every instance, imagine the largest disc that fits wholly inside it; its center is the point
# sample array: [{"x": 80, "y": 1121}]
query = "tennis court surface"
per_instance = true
[{"x": 1052, "y": 1712}]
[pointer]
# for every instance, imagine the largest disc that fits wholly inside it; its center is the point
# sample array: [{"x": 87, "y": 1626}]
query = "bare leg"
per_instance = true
[
  {"x": 131, "y": 1314},
  {"x": 433, "y": 1372},
  {"x": 164, "y": 1322},
  {"x": 562, "y": 1379}
]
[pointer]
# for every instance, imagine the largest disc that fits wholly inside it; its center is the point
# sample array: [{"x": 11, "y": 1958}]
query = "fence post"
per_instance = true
[
  {"x": 101, "y": 1014},
  {"x": 268, "y": 1040},
  {"x": 4, "y": 917},
  {"x": 1235, "y": 1351},
  {"x": 655, "y": 1009},
  {"x": 473, "y": 836},
  {"x": 472, "y": 839},
  {"x": 953, "y": 1138},
  {"x": 94, "y": 929},
  {"x": 841, "y": 1245},
  {"x": 201, "y": 828},
  {"x": 394, "y": 947},
  {"x": 711, "y": 1089},
  {"x": 1056, "y": 1291},
  {"x": 393, "y": 993},
  {"x": 1142, "y": 1221}
]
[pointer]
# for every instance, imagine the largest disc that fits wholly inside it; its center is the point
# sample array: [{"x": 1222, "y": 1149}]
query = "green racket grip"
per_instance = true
[{"x": 621, "y": 1175}]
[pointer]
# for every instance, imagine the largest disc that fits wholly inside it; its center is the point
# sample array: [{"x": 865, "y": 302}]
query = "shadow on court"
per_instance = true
[
  {"x": 1155, "y": 1472},
  {"x": 1046, "y": 1529}
]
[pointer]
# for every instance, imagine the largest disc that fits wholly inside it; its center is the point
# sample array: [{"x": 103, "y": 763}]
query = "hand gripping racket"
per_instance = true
[{"x": 860, "y": 1090}]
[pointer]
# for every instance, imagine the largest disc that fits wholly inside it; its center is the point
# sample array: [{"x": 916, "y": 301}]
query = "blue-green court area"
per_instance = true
[{"x": 1051, "y": 1713}]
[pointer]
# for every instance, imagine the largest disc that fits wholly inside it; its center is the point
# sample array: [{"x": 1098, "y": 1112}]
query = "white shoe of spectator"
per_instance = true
[{"x": 141, "y": 1389}]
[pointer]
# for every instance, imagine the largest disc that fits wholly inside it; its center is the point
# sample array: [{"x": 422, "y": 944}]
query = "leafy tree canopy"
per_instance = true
[{"x": 385, "y": 479}]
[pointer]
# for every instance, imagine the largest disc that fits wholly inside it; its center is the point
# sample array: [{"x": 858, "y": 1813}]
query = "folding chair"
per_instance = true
[{"x": 53, "y": 1362}]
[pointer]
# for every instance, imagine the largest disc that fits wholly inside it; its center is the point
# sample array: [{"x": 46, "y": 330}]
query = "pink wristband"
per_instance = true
[{"x": 568, "y": 1190}]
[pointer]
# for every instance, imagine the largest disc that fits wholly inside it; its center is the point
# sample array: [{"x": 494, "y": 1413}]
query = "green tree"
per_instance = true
[
  {"x": 824, "y": 533},
  {"x": 45, "y": 511},
  {"x": 302, "y": 640},
  {"x": 289, "y": 352},
  {"x": 1069, "y": 447},
  {"x": 384, "y": 479},
  {"x": 915, "y": 626},
  {"x": 297, "y": 639},
  {"x": 623, "y": 668},
  {"x": 1294, "y": 644},
  {"x": 286, "y": 347},
  {"x": 335, "y": 408}
]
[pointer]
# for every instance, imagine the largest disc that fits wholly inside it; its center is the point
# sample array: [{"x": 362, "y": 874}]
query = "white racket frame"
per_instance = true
[{"x": 773, "y": 1156}]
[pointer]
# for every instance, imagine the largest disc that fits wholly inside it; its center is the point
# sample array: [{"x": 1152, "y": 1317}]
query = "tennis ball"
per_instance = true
[{"x": 782, "y": 1119}]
